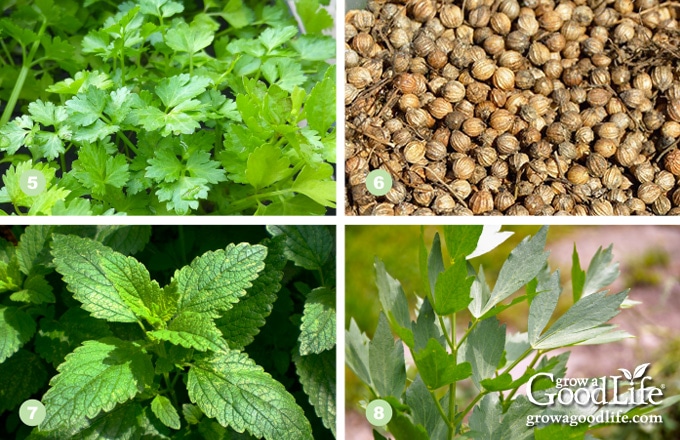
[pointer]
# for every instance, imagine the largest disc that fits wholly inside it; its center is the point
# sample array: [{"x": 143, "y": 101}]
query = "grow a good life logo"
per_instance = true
[{"x": 620, "y": 393}]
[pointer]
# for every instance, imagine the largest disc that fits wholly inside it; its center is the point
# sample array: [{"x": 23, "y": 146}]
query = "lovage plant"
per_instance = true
[
  {"x": 166, "y": 107},
  {"x": 220, "y": 346},
  {"x": 465, "y": 380}
]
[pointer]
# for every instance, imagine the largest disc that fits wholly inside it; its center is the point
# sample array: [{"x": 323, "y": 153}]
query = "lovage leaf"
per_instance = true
[
  {"x": 317, "y": 330},
  {"x": 119, "y": 367},
  {"x": 317, "y": 375},
  {"x": 217, "y": 279},
  {"x": 110, "y": 285},
  {"x": 438, "y": 368},
  {"x": 461, "y": 241},
  {"x": 356, "y": 352},
  {"x": 601, "y": 272},
  {"x": 425, "y": 327},
  {"x": 241, "y": 323},
  {"x": 485, "y": 418},
  {"x": 543, "y": 305},
  {"x": 16, "y": 328},
  {"x": 435, "y": 265},
  {"x": 584, "y": 322},
  {"x": 452, "y": 289},
  {"x": 241, "y": 395},
  {"x": 192, "y": 330},
  {"x": 394, "y": 303},
  {"x": 522, "y": 265},
  {"x": 484, "y": 349},
  {"x": 386, "y": 361}
]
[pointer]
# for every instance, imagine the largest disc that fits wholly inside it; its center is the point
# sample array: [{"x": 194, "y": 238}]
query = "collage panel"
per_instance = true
[
  {"x": 202, "y": 332},
  {"x": 512, "y": 108},
  {"x": 517, "y": 332},
  {"x": 167, "y": 107}
]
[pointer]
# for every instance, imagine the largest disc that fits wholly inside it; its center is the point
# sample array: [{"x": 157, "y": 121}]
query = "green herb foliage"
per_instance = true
[
  {"x": 157, "y": 107},
  {"x": 206, "y": 340},
  {"x": 478, "y": 362}
]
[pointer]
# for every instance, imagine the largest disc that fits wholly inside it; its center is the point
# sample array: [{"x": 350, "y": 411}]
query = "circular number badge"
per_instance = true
[
  {"x": 32, "y": 412},
  {"x": 32, "y": 182},
  {"x": 379, "y": 182},
  {"x": 378, "y": 412}
]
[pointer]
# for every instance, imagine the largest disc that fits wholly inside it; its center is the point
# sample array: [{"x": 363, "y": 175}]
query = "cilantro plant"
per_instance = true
[
  {"x": 240, "y": 339},
  {"x": 461, "y": 384},
  {"x": 165, "y": 108}
]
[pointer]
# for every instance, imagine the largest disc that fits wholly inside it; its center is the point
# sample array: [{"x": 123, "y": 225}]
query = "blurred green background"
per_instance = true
[{"x": 397, "y": 247}]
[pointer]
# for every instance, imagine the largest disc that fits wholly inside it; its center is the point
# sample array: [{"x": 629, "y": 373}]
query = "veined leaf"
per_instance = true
[
  {"x": 438, "y": 368},
  {"x": 394, "y": 303},
  {"x": 356, "y": 352},
  {"x": 16, "y": 328},
  {"x": 522, "y": 265},
  {"x": 461, "y": 241},
  {"x": 192, "y": 330},
  {"x": 317, "y": 331},
  {"x": 486, "y": 418},
  {"x": 110, "y": 364},
  {"x": 216, "y": 280},
  {"x": 386, "y": 361},
  {"x": 425, "y": 327},
  {"x": 309, "y": 247},
  {"x": 317, "y": 375},
  {"x": 110, "y": 285},
  {"x": 23, "y": 374},
  {"x": 452, "y": 290},
  {"x": 32, "y": 251},
  {"x": 165, "y": 411},
  {"x": 484, "y": 349},
  {"x": 543, "y": 305},
  {"x": 601, "y": 271},
  {"x": 241, "y": 395},
  {"x": 435, "y": 265},
  {"x": 242, "y": 322},
  {"x": 583, "y": 321}
]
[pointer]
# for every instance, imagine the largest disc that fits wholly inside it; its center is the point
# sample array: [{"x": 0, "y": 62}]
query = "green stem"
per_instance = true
[
  {"x": 7, "y": 52},
  {"x": 15, "y": 158},
  {"x": 508, "y": 399},
  {"x": 253, "y": 199},
  {"x": 468, "y": 408},
  {"x": 128, "y": 142},
  {"x": 450, "y": 342},
  {"x": 62, "y": 160},
  {"x": 21, "y": 79},
  {"x": 452, "y": 387},
  {"x": 441, "y": 411},
  {"x": 467, "y": 333}
]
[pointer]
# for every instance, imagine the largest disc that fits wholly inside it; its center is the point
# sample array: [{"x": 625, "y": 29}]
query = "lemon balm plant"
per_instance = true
[
  {"x": 465, "y": 378},
  {"x": 185, "y": 339}
]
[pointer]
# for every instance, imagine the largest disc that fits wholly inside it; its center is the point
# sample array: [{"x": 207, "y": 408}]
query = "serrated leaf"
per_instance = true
[
  {"x": 110, "y": 285},
  {"x": 165, "y": 411},
  {"x": 425, "y": 327},
  {"x": 386, "y": 361},
  {"x": 126, "y": 239},
  {"x": 242, "y": 322},
  {"x": 394, "y": 302},
  {"x": 356, "y": 352},
  {"x": 513, "y": 426},
  {"x": 232, "y": 388},
  {"x": 192, "y": 330},
  {"x": 17, "y": 133},
  {"x": 601, "y": 272},
  {"x": 189, "y": 38},
  {"x": 179, "y": 89},
  {"x": 317, "y": 375},
  {"x": 317, "y": 184},
  {"x": 16, "y": 328},
  {"x": 96, "y": 169},
  {"x": 309, "y": 247},
  {"x": 435, "y": 265},
  {"x": 583, "y": 321},
  {"x": 522, "y": 265},
  {"x": 321, "y": 98},
  {"x": 438, "y": 368},
  {"x": 57, "y": 338},
  {"x": 217, "y": 279},
  {"x": 402, "y": 427},
  {"x": 32, "y": 251},
  {"x": 266, "y": 166},
  {"x": 22, "y": 375},
  {"x": 110, "y": 364},
  {"x": 123, "y": 422},
  {"x": 35, "y": 290},
  {"x": 486, "y": 418},
  {"x": 461, "y": 241},
  {"x": 86, "y": 107},
  {"x": 452, "y": 289},
  {"x": 423, "y": 408},
  {"x": 317, "y": 330},
  {"x": 484, "y": 349},
  {"x": 543, "y": 305},
  {"x": 314, "y": 18}
]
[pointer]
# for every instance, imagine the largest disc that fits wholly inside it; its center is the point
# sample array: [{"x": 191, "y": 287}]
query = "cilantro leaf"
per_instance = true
[
  {"x": 189, "y": 38},
  {"x": 178, "y": 89}
]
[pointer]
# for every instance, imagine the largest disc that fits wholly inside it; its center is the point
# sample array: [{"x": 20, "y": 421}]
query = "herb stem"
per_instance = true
[
  {"x": 467, "y": 333},
  {"x": 531, "y": 365},
  {"x": 452, "y": 386},
  {"x": 23, "y": 74},
  {"x": 441, "y": 411},
  {"x": 128, "y": 143},
  {"x": 7, "y": 52},
  {"x": 15, "y": 158},
  {"x": 62, "y": 160},
  {"x": 450, "y": 342},
  {"x": 468, "y": 408},
  {"x": 246, "y": 202}
]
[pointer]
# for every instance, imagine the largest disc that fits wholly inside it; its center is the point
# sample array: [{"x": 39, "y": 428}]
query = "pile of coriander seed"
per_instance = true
[{"x": 506, "y": 107}]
